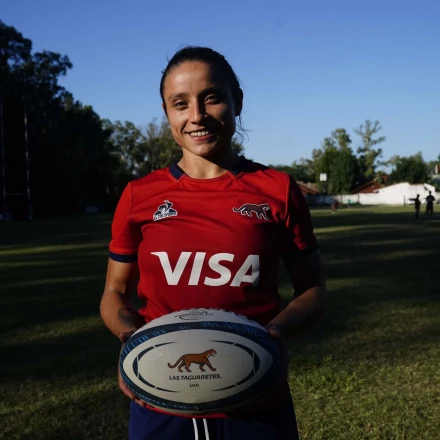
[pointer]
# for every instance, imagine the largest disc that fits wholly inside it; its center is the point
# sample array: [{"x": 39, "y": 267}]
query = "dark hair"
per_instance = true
[{"x": 212, "y": 58}]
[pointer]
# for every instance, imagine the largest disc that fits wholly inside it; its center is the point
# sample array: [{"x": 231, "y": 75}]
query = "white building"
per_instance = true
[{"x": 398, "y": 194}]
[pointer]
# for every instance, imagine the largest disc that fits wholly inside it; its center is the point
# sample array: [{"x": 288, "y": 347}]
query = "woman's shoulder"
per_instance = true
[
  {"x": 154, "y": 176},
  {"x": 150, "y": 183}
]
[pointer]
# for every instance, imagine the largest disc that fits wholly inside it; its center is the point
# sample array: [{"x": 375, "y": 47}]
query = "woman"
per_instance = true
[{"x": 209, "y": 231}]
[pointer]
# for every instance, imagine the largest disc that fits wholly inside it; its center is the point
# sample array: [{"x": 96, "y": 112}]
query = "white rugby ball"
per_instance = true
[{"x": 200, "y": 361}]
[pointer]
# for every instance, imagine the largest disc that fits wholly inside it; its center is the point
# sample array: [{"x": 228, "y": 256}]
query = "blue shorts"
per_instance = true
[{"x": 279, "y": 424}]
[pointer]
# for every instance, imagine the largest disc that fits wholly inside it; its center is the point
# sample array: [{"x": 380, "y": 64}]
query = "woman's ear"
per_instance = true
[{"x": 164, "y": 108}]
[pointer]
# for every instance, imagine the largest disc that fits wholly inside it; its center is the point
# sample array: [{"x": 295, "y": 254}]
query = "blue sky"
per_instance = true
[{"x": 307, "y": 68}]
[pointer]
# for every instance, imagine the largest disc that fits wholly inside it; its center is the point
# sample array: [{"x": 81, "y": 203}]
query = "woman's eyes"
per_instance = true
[{"x": 210, "y": 99}]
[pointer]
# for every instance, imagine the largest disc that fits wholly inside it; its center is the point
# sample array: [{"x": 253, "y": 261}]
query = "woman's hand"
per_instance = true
[
  {"x": 277, "y": 333},
  {"x": 278, "y": 387},
  {"x": 124, "y": 337}
]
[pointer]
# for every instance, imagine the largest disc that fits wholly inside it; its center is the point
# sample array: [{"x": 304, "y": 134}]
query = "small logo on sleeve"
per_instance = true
[
  {"x": 249, "y": 208},
  {"x": 164, "y": 211}
]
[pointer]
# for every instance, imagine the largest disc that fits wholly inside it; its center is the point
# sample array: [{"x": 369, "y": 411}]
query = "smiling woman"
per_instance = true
[
  {"x": 209, "y": 232},
  {"x": 202, "y": 99}
]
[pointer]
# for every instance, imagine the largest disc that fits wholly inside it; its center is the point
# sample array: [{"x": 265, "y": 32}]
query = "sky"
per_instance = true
[{"x": 306, "y": 68}]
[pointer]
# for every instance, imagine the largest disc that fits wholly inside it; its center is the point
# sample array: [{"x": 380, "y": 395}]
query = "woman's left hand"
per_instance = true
[{"x": 277, "y": 333}]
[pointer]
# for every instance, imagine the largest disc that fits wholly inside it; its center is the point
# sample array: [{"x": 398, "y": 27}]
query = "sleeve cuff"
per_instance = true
[{"x": 122, "y": 258}]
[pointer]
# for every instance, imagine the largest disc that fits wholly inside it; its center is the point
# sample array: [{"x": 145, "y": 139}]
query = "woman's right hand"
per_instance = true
[{"x": 124, "y": 337}]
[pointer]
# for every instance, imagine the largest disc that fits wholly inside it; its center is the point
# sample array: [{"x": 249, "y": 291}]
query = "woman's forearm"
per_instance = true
[
  {"x": 302, "y": 312},
  {"x": 118, "y": 312}
]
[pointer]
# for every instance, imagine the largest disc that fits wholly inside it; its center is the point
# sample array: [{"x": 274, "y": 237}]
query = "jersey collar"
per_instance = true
[{"x": 240, "y": 166}]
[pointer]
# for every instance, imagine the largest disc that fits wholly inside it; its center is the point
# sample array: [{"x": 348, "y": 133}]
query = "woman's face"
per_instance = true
[{"x": 200, "y": 109}]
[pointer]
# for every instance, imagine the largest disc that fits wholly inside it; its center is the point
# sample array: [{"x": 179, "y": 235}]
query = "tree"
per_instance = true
[
  {"x": 434, "y": 165},
  {"x": 336, "y": 159},
  {"x": 141, "y": 150},
  {"x": 70, "y": 162},
  {"x": 301, "y": 170},
  {"x": 412, "y": 169},
  {"x": 237, "y": 146},
  {"x": 14, "y": 50},
  {"x": 127, "y": 141},
  {"x": 368, "y": 155},
  {"x": 75, "y": 158},
  {"x": 160, "y": 147}
]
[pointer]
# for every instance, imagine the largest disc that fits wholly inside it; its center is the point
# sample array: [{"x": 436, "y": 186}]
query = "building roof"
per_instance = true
[
  {"x": 369, "y": 187},
  {"x": 308, "y": 188}
]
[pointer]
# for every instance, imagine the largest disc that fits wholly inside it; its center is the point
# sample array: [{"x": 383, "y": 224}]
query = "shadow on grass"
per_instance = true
[
  {"x": 37, "y": 292},
  {"x": 387, "y": 257},
  {"x": 56, "y": 231},
  {"x": 80, "y": 355},
  {"x": 382, "y": 273},
  {"x": 92, "y": 415},
  {"x": 379, "y": 275}
]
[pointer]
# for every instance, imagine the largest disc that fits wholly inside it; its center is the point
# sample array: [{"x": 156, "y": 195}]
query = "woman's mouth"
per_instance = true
[{"x": 201, "y": 135}]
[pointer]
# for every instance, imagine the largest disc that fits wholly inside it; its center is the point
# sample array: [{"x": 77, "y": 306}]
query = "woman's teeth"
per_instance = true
[{"x": 199, "y": 133}]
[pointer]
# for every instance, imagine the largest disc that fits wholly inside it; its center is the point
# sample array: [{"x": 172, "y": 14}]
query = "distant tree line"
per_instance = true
[
  {"x": 346, "y": 170},
  {"x": 70, "y": 158},
  {"x": 59, "y": 148}
]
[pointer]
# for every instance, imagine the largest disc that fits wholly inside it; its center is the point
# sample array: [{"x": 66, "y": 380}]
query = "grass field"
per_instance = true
[{"x": 369, "y": 370}]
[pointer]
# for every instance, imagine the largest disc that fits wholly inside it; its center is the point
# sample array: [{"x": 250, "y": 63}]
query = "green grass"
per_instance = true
[{"x": 369, "y": 370}]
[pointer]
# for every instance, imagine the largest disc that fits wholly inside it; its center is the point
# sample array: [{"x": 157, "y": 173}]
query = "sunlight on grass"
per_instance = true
[{"x": 345, "y": 229}]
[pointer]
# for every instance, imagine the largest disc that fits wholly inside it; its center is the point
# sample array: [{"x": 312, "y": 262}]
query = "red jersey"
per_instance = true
[{"x": 213, "y": 243}]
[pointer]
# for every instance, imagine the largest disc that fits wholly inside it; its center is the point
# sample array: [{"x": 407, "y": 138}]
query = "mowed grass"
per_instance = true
[{"x": 369, "y": 370}]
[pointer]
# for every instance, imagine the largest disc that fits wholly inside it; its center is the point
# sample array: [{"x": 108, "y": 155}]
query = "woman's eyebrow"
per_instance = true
[
  {"x": 182, "y": 95},
  {"x": 175, "y": 96}
]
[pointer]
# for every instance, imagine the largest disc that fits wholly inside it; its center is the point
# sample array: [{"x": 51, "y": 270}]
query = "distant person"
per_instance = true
[
  {"x": 335, "y": 206},
  {"x": 216, "y": 203},
  {"x": 417, "y": 204},
  {"x": 430, "y": 204}
]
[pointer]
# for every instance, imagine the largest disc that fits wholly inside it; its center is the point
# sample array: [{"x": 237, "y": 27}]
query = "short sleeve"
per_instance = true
[
  {"x": 298, "y": 237},
  {"x": 126, "y": 236}
]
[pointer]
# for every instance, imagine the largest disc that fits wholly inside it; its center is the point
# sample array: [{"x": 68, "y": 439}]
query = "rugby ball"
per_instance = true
[{"x": 200, "y": 361}]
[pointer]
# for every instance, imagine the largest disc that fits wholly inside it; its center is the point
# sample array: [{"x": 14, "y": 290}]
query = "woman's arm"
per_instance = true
[
  {"x": 307, "y": 277},
  {"x": 303, "y": 311},
  {"x": 117, "y": 309}
]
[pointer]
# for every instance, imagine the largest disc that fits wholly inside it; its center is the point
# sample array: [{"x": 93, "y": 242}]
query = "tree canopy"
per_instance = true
[
  {"x": 70, "y": 158},
  {"x": 62, "y": 141},
  {"x": 412, "y": 169},
  {"x": 60, "y": 148}
]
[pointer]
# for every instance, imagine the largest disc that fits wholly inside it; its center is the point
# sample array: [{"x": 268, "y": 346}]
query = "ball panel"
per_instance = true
[{"x": 200, "y": 315}]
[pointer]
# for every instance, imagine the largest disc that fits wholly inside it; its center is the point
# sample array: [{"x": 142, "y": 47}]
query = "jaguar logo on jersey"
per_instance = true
[
  {"x": 249, "y": 208},
  {"x": 164, "y": 211}
]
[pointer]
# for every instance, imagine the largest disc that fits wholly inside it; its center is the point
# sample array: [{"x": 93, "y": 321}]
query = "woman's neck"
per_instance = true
[{"x": 210, "y": 167}]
